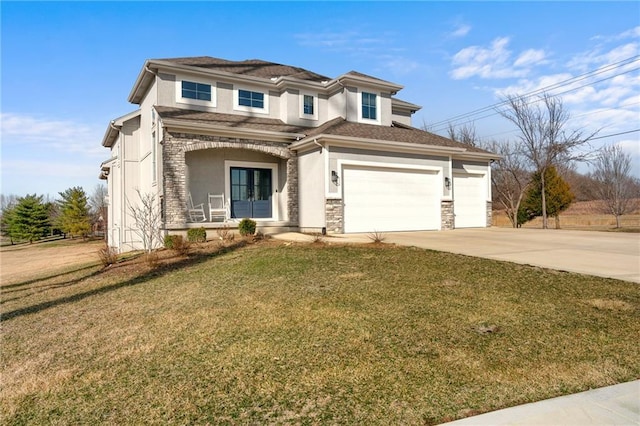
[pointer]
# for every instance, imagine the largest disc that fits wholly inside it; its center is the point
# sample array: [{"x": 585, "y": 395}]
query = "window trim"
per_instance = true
[
  {"x": 238, "y": 107},
  {"x": 361, "y": 119},
  {"x": 189, "y": 101},
  {"x": 275, "y": 194},
  {"x": 154, "y": 157},
  {"x": 302, "y": 114}
]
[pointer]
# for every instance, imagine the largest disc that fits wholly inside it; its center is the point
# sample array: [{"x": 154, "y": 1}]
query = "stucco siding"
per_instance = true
[
  {"x": 311, "y": 190},
  {"x": 205, "y": 171}
]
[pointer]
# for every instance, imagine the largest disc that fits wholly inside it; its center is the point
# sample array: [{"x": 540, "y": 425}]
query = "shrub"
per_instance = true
[
  {"x": 376, "y": 237},
  {"x": 152, "y": 259},
  {"x": 247, "y": 227},
  {"x": 225, "y": 234},
  {"x": 197, "y": 235},
  {"x": 176, "y": 243},
  {"x": 170, "y": 241},
  {"x": 108, "y": 255}
]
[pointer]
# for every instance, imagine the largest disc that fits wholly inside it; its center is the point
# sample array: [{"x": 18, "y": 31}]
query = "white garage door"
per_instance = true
[
  {"x": 469, "y": 201},
  {"x": 380, "y": 199}
]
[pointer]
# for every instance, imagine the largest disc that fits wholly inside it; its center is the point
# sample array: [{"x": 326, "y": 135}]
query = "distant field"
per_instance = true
[{"x": 581, "y": 215}]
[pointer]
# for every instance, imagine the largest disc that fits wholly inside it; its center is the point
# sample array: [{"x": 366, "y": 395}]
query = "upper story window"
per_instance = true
[
  {"x": 307, "y": 104},
  {"x": 369, "y": 106},
  {"x": 193, "y": 90},
  {"x": 190, "y": 91},
  {"x": 250, "y": 99}
]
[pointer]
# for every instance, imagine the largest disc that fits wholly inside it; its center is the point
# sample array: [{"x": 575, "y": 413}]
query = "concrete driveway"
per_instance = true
[{"x": 604, "y": 254}]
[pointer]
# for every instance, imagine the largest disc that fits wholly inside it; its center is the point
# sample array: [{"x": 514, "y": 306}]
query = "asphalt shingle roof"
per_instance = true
[
  {"x": 228, "y": 120},
  {"x": 251, "y": 67},
  {"x": 396, "y": 133},
  {"x": 336, "y": 127}
]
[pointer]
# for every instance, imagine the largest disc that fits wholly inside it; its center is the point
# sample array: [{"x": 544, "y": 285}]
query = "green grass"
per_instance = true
[{"x": 309, "y": 334}]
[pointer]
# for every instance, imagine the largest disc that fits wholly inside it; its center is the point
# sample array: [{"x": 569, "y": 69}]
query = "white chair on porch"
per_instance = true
[
  {"x": 218, "y": 208},
  {"x": 196, "y": 212}
]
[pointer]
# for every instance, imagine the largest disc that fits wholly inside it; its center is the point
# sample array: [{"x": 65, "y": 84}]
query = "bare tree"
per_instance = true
[
  {"x": 614, "y": 184},
  {"x": 147, "y": 218},
  {"x": 545, "y": 141},
  {"x": 510, "y": 177},
  {"x": 99, "y": 208},
  {"x": 465, "y": 134}
]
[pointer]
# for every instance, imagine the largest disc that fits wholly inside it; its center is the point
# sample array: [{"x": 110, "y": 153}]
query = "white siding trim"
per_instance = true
[{"x": 188, "y": 101}]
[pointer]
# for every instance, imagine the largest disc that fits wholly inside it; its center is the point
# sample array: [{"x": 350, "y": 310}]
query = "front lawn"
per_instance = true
[{"x": 313, "y": 334}]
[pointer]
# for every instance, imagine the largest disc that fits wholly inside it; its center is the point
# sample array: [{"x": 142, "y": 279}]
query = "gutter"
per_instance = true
[{"x": 378, "y": 144}]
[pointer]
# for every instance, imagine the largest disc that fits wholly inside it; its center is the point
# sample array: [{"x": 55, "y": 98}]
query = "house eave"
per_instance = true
[
  {"x": 469, "y": 155},
  {"x": 347, "y": 79},
  {"x": 203, "y": 128},
  {"x": 382, "y": 145},
  {"x": 105, "y": 168},
  {"x": 111, "y": 134}
]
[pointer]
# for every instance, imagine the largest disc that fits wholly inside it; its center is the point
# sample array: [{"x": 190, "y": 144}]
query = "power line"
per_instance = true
[
  {"x": 566, "y": 82},
  {"x": 440, "y": 128},
  {"x": 615, "y": 134},
  {"x": 600, "y": 111}
]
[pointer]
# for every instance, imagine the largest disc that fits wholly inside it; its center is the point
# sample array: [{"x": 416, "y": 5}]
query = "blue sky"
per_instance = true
[{"x": 67, "y": 67}]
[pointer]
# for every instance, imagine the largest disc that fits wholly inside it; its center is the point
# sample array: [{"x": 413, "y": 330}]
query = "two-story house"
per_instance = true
[{"x": 290, "y": 148}]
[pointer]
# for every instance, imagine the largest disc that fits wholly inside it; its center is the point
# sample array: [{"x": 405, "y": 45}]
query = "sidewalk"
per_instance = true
[{"x": 611, "y": 405}]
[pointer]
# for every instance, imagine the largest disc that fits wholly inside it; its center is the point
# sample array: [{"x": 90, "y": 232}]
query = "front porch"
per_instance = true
[{"x": 256, "y": 180}]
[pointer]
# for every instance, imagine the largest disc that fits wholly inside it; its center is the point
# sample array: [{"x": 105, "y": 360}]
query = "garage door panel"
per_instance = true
[
  {"x": 390, "y": 200},
  {"x": 469, "y": 205}
]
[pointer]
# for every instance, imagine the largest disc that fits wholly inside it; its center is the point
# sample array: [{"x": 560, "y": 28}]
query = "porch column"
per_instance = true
[
  {"x": 292, "y": 187},
  {"x": 174, "y": 182}
]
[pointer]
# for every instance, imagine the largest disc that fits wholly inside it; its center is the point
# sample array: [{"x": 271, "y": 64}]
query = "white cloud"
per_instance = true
[
  {"x": 530, "y": 57},
  {"x": 631, "y": 33},
  {"x": 341, "y": 41},
  {"x": 399, "y": 65},
  {"x": 381, "y": 49},
  {"x": 48, "y": 133},
  {"x": 461, "y": 30},
  {"x": 494, "y": 62},
  {"x": 529, "y": 85},
  {"x": 22, "y": 176}
]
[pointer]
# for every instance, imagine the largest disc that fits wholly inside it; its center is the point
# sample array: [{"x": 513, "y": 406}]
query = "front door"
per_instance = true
[{"x": 250, "y": 192}]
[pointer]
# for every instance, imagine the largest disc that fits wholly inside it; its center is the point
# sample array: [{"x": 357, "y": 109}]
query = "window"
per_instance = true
[
  {"x": 154, "y": 162},
  {"x": 307, "y": 104},
  {"x": 250, "y": 99},
  {"x": 369, "y": 106},
  {"x": 198, "y": 91}
]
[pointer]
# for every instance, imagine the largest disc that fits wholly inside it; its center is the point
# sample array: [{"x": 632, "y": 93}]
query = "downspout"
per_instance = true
[{"x": 315, "y": 141}]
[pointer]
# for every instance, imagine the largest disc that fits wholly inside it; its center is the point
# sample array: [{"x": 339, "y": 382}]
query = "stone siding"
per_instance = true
[
  {"x": 489, "y": 214},
  {"x": 334, "y": 215},
  {"x": 292, "y": 187},
  {"x": 446, "y": 215},
  {"x": 174, "y": 147}
]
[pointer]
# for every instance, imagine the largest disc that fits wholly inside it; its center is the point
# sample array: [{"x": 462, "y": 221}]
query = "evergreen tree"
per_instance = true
[
  {"x": 29, "y": 219},
  {"x": 558, "y": 196},
  {"x": 5, "y": 221},
  {"x": 73, "y": 212}
]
